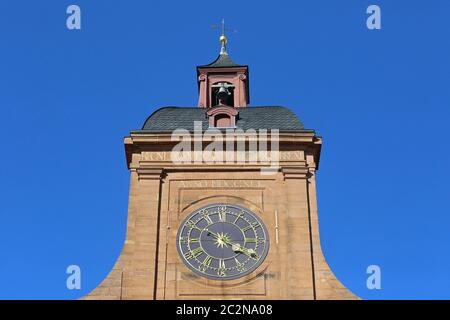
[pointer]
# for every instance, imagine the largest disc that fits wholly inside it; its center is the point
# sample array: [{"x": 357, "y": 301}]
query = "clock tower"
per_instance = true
[{"x": 222, "y": 201}]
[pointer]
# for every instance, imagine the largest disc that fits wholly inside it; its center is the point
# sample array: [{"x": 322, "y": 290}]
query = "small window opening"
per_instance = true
[{"x": 222, "y": 121}]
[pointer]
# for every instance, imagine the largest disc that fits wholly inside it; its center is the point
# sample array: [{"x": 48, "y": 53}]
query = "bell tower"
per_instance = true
[
  {"x": 223, "y": 82},
  {"x": 222, "y": 228}
]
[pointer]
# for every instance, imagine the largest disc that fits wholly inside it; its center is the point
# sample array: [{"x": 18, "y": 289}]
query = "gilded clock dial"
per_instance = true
[{"x": 222, "y": 241}]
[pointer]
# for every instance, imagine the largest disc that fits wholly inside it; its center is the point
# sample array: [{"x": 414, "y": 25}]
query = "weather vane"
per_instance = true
[{"x": 223, "y": 37}]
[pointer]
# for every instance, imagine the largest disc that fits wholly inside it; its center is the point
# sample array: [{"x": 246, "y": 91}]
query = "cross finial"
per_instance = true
[{"x": 223, "y": 38}]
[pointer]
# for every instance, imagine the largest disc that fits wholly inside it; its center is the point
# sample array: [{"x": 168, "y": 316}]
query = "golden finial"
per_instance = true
[{"x": 223, "y": 38}]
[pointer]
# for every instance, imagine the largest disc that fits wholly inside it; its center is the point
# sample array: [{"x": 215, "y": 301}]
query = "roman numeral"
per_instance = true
[
  {"x": 191, "y": 224},
  {"x": 193, "y": 253},
  {"x": 221, "y": 269},
  {"x": 223, "y": 214},
  {"x": 254, "y": 225},
  {"x": 208, "y": 219},
  {"x": 206, "y": 216},
  {"x": 183, "y": 240},
  {"x": 239, "y": 266},
  {"x": 206, "y": 263},
  {"x": 239, "y": 216},
  {"x": 255, "y": 240}
]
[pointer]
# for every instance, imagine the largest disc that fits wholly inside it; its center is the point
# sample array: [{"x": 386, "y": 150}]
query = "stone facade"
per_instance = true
[{"x": 162, "y": 194}]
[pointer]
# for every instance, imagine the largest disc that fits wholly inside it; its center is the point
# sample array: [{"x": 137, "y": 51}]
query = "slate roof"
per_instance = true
[
  {"x": 222, "y": 61},
  {"x": 167, "y": 119}
]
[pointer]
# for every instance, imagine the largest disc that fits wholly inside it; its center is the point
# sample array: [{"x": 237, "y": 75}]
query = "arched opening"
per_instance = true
[
  {"x": 229, "y": 101},
  {"x": 222, "y": 121},
  {"x": 222, "y": 117}
]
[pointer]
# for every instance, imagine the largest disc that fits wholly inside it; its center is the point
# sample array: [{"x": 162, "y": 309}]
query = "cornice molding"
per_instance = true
[
  {"x": 295, "y": 172},
  {"x": 149, "y": 173}
]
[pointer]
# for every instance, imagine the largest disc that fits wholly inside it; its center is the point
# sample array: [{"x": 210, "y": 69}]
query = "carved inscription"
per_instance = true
[
  {"x": 163, "y": 156},
  {"x": 220, "y": 184}
]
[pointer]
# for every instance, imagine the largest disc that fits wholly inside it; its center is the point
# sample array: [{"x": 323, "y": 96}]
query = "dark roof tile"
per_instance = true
[
  {"x": 271, "y": 117},
  {"x": 222, "y": 61}
]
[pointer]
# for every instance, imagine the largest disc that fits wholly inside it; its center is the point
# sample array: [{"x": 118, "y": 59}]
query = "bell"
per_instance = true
[{"x": 223, "y": 93}]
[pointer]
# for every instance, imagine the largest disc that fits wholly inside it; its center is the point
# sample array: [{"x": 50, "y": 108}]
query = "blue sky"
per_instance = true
[{"x": 380, "y": 99}]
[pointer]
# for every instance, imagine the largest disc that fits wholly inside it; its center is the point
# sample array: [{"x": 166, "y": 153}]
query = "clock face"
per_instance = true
[{"x": 222, "y": 241}]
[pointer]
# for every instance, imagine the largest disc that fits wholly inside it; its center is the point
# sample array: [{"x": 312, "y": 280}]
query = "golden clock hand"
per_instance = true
[
  {"x": 236, "y": 247},
  {"x": 247, "y": 252}
]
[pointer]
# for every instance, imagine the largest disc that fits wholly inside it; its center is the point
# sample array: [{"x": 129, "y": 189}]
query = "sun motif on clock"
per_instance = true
[{"x": 222, "y": 241}]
